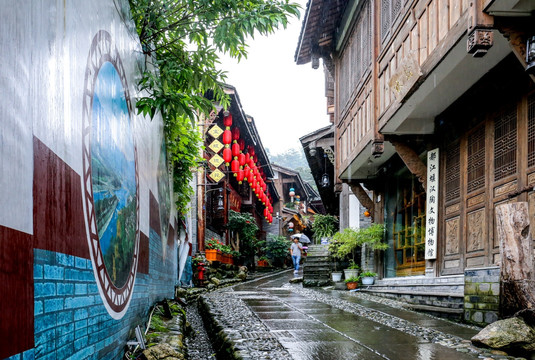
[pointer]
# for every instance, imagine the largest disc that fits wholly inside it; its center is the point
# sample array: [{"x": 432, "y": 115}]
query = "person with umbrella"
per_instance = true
[{"x": 295, "y": 251}]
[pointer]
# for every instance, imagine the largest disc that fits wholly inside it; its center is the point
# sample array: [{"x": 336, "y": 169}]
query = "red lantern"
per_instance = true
[
  {"x": 241, "y": 159},
  {"x": 266, "y": 213},
  {"x": 227, "y": 120},
  {"x": 255, "y": 158},
  {"x": 227, "y": 155},
  {"x": 227, "y": 137},
  {"x": 235, "y": 150},
  {"x": 258, "y": 189},
  {"x": 235, "y": 166},
  {"x": 251, "y": 150},
  {"x": 241, "y": 142},
  {"x": 235, "y": 133},
  {"x": 240, "y": 176},
  {"x": 249, "y": 176}
]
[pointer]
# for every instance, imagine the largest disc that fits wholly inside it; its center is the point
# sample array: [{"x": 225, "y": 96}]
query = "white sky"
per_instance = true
[{"x": 286, "y": 100}]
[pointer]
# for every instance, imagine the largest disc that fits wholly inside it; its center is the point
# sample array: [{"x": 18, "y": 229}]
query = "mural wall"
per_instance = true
[{"x": 88, "y": 238}]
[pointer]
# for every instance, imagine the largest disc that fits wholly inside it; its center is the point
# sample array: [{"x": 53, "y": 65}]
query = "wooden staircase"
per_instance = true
[{"x": 317, "y": 267}]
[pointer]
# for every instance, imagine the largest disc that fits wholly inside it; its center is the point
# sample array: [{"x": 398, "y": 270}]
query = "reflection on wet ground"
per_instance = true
[{"x": 313, "y": 330}]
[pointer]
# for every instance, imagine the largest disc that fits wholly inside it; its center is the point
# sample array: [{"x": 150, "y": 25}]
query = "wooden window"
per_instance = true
[
  {"x": 453, "y": 171},
  {"x": 505, "y": 144},
  {"x": 390, "y": 9},
  {"x": 531, "y": 130},
  {"x": 476, "y": 160}
]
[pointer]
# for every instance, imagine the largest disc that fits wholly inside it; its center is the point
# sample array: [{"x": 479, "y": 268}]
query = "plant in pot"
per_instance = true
[
  {"x": 324, "y": 227},
  {"x": 368, "y": 277},
  {"x": 352, "y": 282},
  {"x": 333, "y": 252},
  {"x": 347, "y": 240},
  {"x": 352, "y": 270}
]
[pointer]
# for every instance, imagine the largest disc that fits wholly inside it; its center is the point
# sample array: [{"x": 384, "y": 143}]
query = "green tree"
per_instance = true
[{"x": 182, "y": 40}]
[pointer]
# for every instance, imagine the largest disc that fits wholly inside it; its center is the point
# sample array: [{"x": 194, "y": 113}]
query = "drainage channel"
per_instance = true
[{"x": 198, "y": 343}]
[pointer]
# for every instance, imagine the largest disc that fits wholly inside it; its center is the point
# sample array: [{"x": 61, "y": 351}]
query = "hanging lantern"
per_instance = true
[
  {"x": 227, "y": 120},
  {"x": 235, "y": 167},
  {"x": 266, "y": 213},
  {"x": 235, "y": 150},
  {"x": 249, "y": 176},
  {"x": 227, "y": 137},
  {"x": 290, "y": 226},
  {"x": 251, "y": 150},
  {"x": 241, "y": 142},
  {"x": 258, "y": 189},
  {"x": 241, "y": 159},
  {"x": 297, "y": 199},
  {"x": 235, "y": 133},
  {"x": 367, "y": 213},
  {"x": 240, "y": 176},
  {"x": 227, "y": 155},
  {"x": 255, "y": 158},
  {"x": 292, "y": 192}
]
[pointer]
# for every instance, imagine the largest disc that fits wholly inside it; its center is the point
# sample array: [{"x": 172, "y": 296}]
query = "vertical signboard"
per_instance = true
[{"x": 432, "y": 205}]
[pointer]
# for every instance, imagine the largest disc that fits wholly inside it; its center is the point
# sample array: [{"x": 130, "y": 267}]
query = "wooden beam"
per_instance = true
[
  {"x": 411, "y": 160},
  {"x": 362, "y": 196}
]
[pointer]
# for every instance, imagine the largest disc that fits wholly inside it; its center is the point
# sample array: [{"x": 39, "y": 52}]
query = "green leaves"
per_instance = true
[{"x": 182, "y": 40}]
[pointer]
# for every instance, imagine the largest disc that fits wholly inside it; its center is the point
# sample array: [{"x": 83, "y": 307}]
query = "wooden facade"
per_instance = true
[{"x": 414, "y": 75}]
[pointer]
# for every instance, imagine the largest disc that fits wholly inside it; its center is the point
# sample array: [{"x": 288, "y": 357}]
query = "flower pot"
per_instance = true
[
  {"x": 211, "y": 254},
  {"x": 337, "y": 276},
  {"x": 348, "y": 273},
  {"x": 368, "y": 280},
  {"x": 352, "y": 285}
]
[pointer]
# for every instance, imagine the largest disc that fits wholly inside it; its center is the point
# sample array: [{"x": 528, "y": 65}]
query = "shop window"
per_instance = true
[{"x": 406, "y": 228}]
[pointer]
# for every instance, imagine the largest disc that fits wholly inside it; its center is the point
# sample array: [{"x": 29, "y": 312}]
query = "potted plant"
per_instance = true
[
  {"x": 352, "y": 270},
  {"x": 368, "y": 277},
  {"x": 352, "y": 282},
  {"x": 324, "y": 227},
  {"x": 333, "y": 251}
]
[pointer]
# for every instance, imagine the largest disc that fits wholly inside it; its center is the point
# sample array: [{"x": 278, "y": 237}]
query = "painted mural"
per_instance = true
[
  {"x": 110, "y": 163},
  {"x": 85, "y": 232}
]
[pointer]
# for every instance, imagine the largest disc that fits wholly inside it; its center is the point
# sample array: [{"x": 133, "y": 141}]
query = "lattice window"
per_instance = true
[
  {"x": 476, "y": 160},
  {"x": 505, "y": 144},
  {"x": 453, "y": 171},
  {"x": 531, "y": 130},
  {"x": 385, "y": 18}
]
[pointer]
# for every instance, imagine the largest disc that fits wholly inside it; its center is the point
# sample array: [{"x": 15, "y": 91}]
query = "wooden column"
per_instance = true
[
  {"x": 517, "y": 283},
  {"x": 200, "y": 208}
]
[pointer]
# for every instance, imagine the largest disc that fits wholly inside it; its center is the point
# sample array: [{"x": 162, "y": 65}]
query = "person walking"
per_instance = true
[{"x": 295, "y": 250}]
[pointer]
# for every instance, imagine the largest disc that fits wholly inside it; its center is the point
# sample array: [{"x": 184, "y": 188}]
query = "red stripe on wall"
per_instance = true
[
  {"x": 58, "y": 216},
  {"x": 144, "y": 252},
  {"x": 154, "y": 220},
  {"x": 16, "y": 292}
]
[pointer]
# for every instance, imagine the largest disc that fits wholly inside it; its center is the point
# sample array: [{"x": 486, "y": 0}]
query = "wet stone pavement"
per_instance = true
[{"x": 268, "y": 318}]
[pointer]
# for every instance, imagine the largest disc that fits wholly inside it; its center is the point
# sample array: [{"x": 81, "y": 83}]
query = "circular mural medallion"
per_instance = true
[{"x": 111, "y": 181}]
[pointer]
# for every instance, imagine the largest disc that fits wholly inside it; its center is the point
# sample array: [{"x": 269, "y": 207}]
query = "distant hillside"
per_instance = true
[{"x": 294, "y": 159}]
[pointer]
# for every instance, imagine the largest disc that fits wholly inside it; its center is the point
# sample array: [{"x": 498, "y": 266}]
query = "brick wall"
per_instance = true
[
  {"x": 70, "y": 318},
  {"x": 481, "y": 295}
]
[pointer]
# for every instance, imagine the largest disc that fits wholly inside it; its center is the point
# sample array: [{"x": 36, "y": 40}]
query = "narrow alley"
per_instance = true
[{"x": 269, "y": 318}]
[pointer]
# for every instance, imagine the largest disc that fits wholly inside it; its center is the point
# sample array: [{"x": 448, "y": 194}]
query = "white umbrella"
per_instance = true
[{"x": 302, "y": 238}]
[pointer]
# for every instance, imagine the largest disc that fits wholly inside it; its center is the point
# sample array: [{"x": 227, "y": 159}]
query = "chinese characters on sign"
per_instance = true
[{"x": 432, "y": 205}]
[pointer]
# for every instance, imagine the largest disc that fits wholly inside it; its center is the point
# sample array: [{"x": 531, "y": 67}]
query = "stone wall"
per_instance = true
[{"x": 481, "y": 295}]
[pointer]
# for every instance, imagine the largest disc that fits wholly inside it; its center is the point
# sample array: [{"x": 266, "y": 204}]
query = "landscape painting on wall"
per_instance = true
[{"x": 113, "y": 174}]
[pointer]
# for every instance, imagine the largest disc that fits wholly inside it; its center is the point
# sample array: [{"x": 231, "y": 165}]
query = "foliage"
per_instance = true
[
  {"x": 324, "y": 226},
  {"x": 350, "y": 239},
  {"x": 368, "y": 274},
  {"x": 213, "y": 244},
  {"x": 295, "y": 159},
  {"x": 276, "y": 249},
  {"x": 353, "y": 265},
  {"x": 352, "y": 279},
  {"x": 245, "y": 225},
  {"x": 182, "y": 40}
]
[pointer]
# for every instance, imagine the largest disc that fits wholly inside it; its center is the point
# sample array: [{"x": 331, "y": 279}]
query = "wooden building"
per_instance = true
[
  {"x": 219, "y": 188},
  {"x": 433, "y": 106}
]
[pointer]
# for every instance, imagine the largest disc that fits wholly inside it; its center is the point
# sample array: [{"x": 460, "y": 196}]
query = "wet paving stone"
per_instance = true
[{"x": 303, "y": 323}]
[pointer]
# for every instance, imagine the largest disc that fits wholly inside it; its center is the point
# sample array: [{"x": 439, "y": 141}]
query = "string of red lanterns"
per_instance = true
[{"x": 244, "y": 166}]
